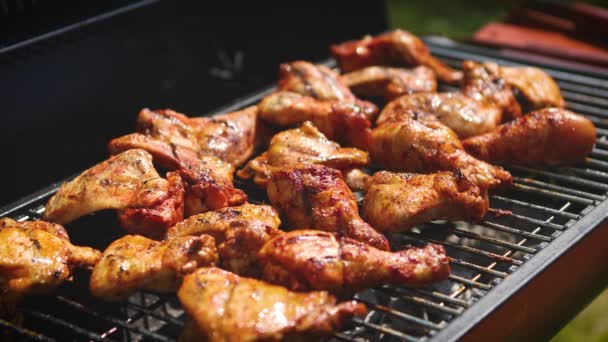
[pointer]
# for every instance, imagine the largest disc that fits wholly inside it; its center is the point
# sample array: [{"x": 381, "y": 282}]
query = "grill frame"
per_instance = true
[{"x": 573, "y": 234}]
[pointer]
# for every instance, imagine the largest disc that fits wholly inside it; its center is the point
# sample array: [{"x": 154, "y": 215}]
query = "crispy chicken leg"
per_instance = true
[
  {"x": 376, "y": 81},
  {"x": 396, "y": 48},
  {"x": 245, "y": 309},
  {"x": 398, "y": 201},
  {"x": 301, "y": 145},
  {"x": 551, "y": 136},
  {"x": 316, "y": 196},
  {"x": 135, "y": 262},
  {"x": 423, "y": 144},
  {"x": 239, "y": 233},
  {"x": 127, "y": 180},
  {"x": 310, "y": 259},
  {"x": 35, "y": 258}
]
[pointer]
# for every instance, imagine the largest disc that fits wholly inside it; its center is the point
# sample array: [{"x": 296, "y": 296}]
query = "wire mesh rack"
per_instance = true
[{"x": 521, "y": 230}]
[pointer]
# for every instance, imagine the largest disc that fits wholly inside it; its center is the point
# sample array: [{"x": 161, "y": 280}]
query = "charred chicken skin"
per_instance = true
[
  {"x": 245, "y": 309},
  {"x": 398, "y": 201},
  {"x": 422, "y": 144},
  {"x": 239, "y": 233},
  {"x": 344, "y": 122},
  {"x": 311, "y": 259},
  {"x": 305, "y": 144},
  {"x": 377, "y": 81},
  {"x": 35, "y": 258},
  {"x": 396, "y": 48},
  {"x": 478, "y": 108},
  {"x": 551, "y": 136},
  {"x": 127, "y": 180},
  {"x": 316, "y": 196},
  {"x": 135, "y": 262}
]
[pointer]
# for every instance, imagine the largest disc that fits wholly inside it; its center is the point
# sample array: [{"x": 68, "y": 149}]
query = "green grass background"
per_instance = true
[{"x": 460, "y": 19}]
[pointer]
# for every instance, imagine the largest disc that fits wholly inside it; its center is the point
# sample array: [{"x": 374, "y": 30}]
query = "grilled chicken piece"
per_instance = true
[
  {"x": 304, "y": 144},
  {"x": 35, "y": 258},
  {"x": 153, "y": 222},
  {"x": 552, "y": 136},
  {"x": 310, "y": 259},
  {"x": 376, "y": 81},
  {"x": 478, "y": 108},
  {"x": 398, "y": 201},
  {"x": 423, "y": 144},
  {"x": 538, "y": 88},
  {"x": 396, "y": 48},
  {"x": 127, "y": 180},
  {"x": 134, "y": 262},
  {"x": 208, "y": 179},
  {"x": 316, "y": 196},
  {"x": 245, "y": 309},
  {"x": 344, "y": 122},
  {"x": 239, "y": 233},
  {"x": 321, "y": 83},
  {"x": 230, "y": 137}
]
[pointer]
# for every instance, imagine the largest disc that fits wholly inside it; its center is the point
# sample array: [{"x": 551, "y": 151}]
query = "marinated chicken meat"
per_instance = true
[
  {"x": 239, "y": 233},
  {"x": 127, "y": 180},
  {"x": 208, "y": 179},
  {"x": 395, "y": 48},
  {"x": 35, "y": 258},
  {"x": 245, "y": 309},
  {"x": 344, "y": 122},
  {"x": 134, "y": 262},
  {"x": 422, "y": 144},
  {"x": 538, "y": 88},
  {"x": 398, "y": 201},
  {"x": 304, "y": 144},
  {"x": 551, "y": 136},
  {"x": 377, "y": 81},
  {"x": 316, "y": 196},
  {"x": 311, "y": 259},
  {"x": 478, "y": 108}
]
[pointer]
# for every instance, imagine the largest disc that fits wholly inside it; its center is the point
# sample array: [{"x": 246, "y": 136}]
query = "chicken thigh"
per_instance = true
[{"x": 377, "y": 81}]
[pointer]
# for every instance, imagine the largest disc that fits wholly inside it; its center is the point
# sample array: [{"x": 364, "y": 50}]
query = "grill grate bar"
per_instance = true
[
  {"x": 345, "y": 337},
  {"x": 552, "y": 194},
  {"x": 601, "y": 143},
  {"x": 65, "y": 324},
  {"x": 588, "y": 173},
  {"x": 534, "y": 221},
  {"x": 565, "y": 178},
  {"x": 568, "y": 93},
  {"x": 501, "y": 227},
  {"x": 471, "y": 235},
  {"x": 469, "y": 282},
  {"x": 386, "y": 330},
  {"x": 599, "y": 153},
  {"x": 536, "y": 206},
  {"x": 558, "y": 188},
  {"x": 402, "y": 315},
  {"x": 581, "y": 108},
  {"x": 31, "y": 335},
  {"x": 427, "y": 303},
  {"x": 478, "y": 267},
  {"x": 151, "y": 313}
]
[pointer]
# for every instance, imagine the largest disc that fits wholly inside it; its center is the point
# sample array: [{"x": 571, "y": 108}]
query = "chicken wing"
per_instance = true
[
  {"x": 344, "y": 122},
  {"x": 551, "y": 136},
  {"x": 376, "y": 81},
  {"x": 134, "y": 262},
  {"x": 239, "y": 233},
  {"x": 538, "y": 88},
  {"x": 35, "y": 258},
  {"x": 395, "y": 48},
  {"x": 422, "y": 144},
  {"x": 398, "y": 201},
  {"x": 127, "y": 180},
  {"x": 245, "y": 309},
  {"x": 304, "y": 144},
  {"x": 316, "y": 196},
  {"x": 310, "y": 259}
]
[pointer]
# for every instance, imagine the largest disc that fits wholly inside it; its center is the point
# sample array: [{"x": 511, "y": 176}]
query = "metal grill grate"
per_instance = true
[{"x": 546, "y": 207}]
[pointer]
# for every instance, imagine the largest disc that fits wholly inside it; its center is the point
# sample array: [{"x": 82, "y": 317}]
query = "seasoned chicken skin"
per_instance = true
[
  {"x": 245, "y": 309},
  {"x": 239, "y": 233},
  {"x": 310, "y": 259},
  {"x": 35, "y": 258},
  {"x": 552, "y": 136},
  {"x": 305, "y": 144},
  {"x": 395, "y": 48},
  {"x": 344, "y": 122},
  {"x": 398, "y": 201},
  {"x": 134, "y": 262},
  {"x": 423, "y": 144},
  {"x": 316, "y": 196},
  {"x": 127, "y": 180},
  {"x": 376, "y": 81},
  {"x": 538, "y": 88}
]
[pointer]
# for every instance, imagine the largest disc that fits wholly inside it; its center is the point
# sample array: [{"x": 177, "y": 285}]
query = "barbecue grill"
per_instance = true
[{"x": 535, "y": 261}]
